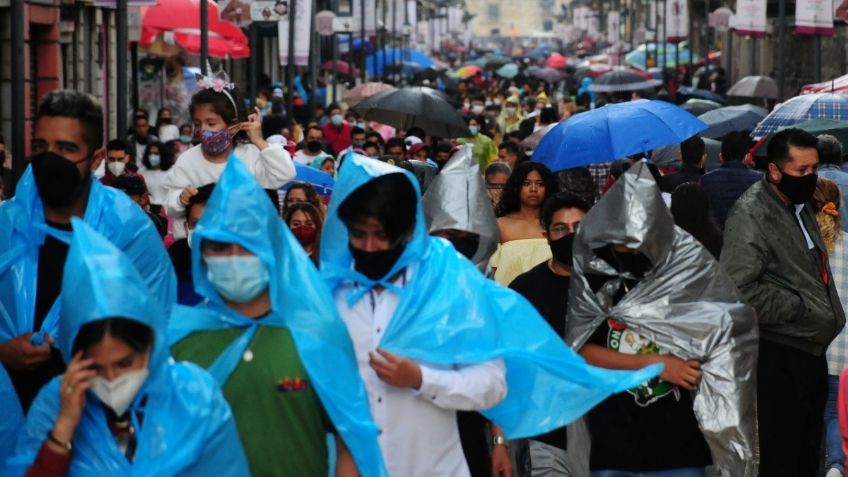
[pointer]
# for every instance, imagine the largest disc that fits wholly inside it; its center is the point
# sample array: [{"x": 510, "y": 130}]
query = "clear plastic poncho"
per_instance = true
[
  {"x": 457, "y": 199},
  {"x": 450, "y": 314},
  {"x": 686, "y": 304},
  {"x": 239, "y": 212},
  {"x": 187, "y": 428}
]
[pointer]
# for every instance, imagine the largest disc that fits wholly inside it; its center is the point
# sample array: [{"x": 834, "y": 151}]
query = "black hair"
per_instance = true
[
  {"x": 578, "y": 181},
  {"x": 734, "y": 146},
  {"x": 159, "y": 115},
  {"x": 548, "y": 115},
  {"x": 394, "y": 142},
  {"x": 692, "y": 150},
  {"x": 371, "y": 144},
  {"x": 317, "y": 216},
  {"x": 204, "y": 192},
  {"x": 356, "y": 130},
  {"x": 137, "y": 336},
  {"x": 130, "y": 184},
  {"x": 332, "y": 107},
  {"x": 778, "y": 148},
  {"x": 2, "y": 140},
  {"x": 117, "y": 145},
  {"x": 76, "y": 105},
  {"x": 511, "y": 148},
  {"x": 444, "y": 147},
  {"x": 308, "y": 191},
  {"x": 390, "y": 199},
  {"x": 830, "y": 149},
  {"x": 417, "y": 132},
  {"x": 690, "y": 207},
  {"x": 583, "y": 99},
  {"x": 371, "y": 135},
  {"x": 559, "y": 201},
  {"x": 517, "y": 134},
  {"x": 166, "y": 155},
  {"x": 222, "y": 105},
  {"x": 497, "y": 168},
  {"x": 511, "y": 195},
  {"x": 526, "y": 127}
]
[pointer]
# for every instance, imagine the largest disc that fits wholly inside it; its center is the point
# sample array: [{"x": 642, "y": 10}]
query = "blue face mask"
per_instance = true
[
  {"x": 474, "y": 130},
  {"x": 155, "y": 160},
  {"x": 337, "y": 119},
  {"x": 238, "y": 278},
  {"x": 185, "y": 139}
]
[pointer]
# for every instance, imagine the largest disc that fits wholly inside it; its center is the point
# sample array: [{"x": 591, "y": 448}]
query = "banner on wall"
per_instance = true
[
  {"x": 750, "y": 18},
  {"x": 302, "y": 33},
  {"x": 814, "y": 17},
  {"x": 677, "y": 13}
]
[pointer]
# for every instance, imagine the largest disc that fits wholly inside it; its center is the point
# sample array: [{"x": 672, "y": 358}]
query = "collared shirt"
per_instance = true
[
  {"x": 418, "y": 430},
  {"x": 798, "y": 209},
  {"x": 837, "y": 352}
]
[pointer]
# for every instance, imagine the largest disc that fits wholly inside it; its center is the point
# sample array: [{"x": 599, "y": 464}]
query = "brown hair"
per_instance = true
[
  {"x": 826, "y": 202},
  {"x": 317, "y": 217}
]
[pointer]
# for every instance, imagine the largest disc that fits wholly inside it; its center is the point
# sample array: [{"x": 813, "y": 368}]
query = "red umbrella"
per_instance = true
[
  {"x": 178, "y": 21},
  {"x": 555, "y": 61},
  {"x": 342, "y": 67}
]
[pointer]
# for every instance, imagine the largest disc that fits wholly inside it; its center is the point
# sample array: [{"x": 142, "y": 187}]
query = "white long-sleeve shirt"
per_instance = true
[
  {"x": 272, "y": 168},
  {"x": 418, "y": 430}
]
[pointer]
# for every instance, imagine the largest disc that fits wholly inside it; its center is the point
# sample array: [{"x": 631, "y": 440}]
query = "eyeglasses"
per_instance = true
[
  {"x": 493, "y": 186},
  {"x": 564, "y": 229}
]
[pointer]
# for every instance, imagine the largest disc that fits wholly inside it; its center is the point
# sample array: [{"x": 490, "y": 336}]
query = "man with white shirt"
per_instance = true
[
  {"x": 774, "y": 252},
  {"x": 432, "y": 335}
]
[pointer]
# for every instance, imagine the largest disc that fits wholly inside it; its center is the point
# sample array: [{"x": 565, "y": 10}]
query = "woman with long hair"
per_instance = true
[
  {"x": 522, "y": 243},
  {"x": 306, "y": 223},
  {"x": 302, "y": 192}
]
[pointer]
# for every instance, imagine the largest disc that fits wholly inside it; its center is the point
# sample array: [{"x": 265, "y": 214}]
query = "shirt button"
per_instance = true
[
  {"x": 248, "y": 356},
  {"x": 379, "y": 329},
  {"x": 380, "y": 399}
]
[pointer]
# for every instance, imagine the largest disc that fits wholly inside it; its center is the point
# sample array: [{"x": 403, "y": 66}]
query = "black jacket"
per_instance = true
[{"x": 725, "y": 185}]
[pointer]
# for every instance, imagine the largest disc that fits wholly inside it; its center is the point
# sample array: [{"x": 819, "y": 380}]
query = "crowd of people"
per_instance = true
[{"x": 178, "y": 302}]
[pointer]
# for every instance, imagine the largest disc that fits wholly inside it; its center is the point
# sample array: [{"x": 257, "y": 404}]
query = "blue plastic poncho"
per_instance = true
[
  {"x": 239, "y": 212},
  {"x": 13, "y": 417},
  {"x": 469, "y": 319},
  {"x": 187, "y": 428},
  {"x": 23, "y": 230}
]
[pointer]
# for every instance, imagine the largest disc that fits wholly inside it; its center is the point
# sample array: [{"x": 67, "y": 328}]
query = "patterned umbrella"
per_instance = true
[
  {"x": 801, "y": 108},
  {"x": 468, "y": 71},
  {"x": 365, "y": 90}
]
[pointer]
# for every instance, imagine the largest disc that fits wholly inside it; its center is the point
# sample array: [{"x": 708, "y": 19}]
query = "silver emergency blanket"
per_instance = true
[
  {"x": 457, "y": 199},
  {"x": 685, "y": 304}
]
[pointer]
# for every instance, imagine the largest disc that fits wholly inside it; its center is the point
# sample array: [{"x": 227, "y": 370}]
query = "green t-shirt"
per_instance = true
[{"x": 280, "y": 419}]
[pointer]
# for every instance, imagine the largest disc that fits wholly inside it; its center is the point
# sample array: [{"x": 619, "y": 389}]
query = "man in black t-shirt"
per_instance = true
[{"x": 546, "y": 287}]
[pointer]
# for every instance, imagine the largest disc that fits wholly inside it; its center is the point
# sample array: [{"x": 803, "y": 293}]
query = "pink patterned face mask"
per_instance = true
[{"x": 215, "y": 143}]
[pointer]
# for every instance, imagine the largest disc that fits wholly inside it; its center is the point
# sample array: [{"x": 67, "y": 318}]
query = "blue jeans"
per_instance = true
[
  {"x": 834, "y": 457},
  {"x": 687, "y": 472}
]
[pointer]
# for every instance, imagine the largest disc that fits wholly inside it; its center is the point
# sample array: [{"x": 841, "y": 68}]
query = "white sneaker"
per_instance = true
[{"x": 833, "y": 473}]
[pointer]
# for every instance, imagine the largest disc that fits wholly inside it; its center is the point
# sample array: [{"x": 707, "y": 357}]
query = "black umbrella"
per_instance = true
[
  {"x": 685, "y": 92},
  {"x": 549, "y": 74},
  {"x": 620, "y": 81},
  {"x": 406, "y": 108},
  {"x": 493, "y": 62},
  {"x": 699, "y": 106}
]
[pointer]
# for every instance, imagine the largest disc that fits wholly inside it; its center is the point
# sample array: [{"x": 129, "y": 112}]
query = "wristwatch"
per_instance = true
[{"x": 499, "y": 441}]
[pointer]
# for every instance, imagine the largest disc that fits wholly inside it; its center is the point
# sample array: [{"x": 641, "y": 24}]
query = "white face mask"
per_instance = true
[
  {"x": 118, "y": 394},
  {"x": 116, "y": 168},
  {"x": 510, "y": 111},
  {"x": 477, "y": 109}
]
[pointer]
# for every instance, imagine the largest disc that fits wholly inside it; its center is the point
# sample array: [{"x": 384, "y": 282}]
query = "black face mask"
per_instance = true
[
  {"x": 376, "y": 265},
  {"x": 467, "y": 246},
  {"x": 58, "y": 180},
  {"x": 561, "y": 249},
  {"x": 798, "y": 189},
  {"x": 164, "y": 120},
  {"x": 313, "y": 146}
]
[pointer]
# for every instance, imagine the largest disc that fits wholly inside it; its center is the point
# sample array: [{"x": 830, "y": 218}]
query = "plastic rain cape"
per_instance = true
[
  {"x": 187, "y": 428},
  {"x": 686, "y": 304},
  {"x": 239, "y": 212},
  {"x": 457, "y": 199},
  {"x": 23, "y": 230},
  {"x": 449, "y": 313}
]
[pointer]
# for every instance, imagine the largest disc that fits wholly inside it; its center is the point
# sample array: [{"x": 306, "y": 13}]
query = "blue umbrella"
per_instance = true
[
  {"x": 731, "y": 119},
  {"x": 802, "y": 108},
  {"x": 615, "y": 131},
  {"x": 320, "y": 180},
  {"x": 638, "y": 57},
  {"x": 399, "y": 55},
  {"x": 508, "y": 71}
]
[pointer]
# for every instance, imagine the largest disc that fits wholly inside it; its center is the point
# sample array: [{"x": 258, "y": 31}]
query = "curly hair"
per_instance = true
[
  {"x": 511, "y": 196},
  {"x": 826, "y": 201}
]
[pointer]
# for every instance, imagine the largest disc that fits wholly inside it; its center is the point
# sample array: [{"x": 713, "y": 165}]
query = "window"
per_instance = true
[
  {"x": 548, "y": 25},
  {"x": 494, "y": 11}
]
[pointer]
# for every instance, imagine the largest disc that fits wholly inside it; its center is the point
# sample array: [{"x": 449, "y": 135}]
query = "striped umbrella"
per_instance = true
[
  {"x": 802, "y": 108},
  {"x": 467, "y": 71}
]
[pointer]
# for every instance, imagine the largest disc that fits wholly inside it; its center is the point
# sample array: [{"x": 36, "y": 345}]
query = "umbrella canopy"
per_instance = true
[
  {"x": 508, "y": 71},
  {"x": 700, "y": 106},
  {"x": 549, "y": 74},
  {"x": 468, "y": 71},
  {"x": 687, "y": 92},
  {"x": 365, "y": 90},
  {"x": 836, "y": 85},
  {"x": 754, "y": 87},
  {"x": 405, "y": 68},
  {"x": 663, "y": 54},
  {"x": 801, "y": 108},
  {"x": 493, "y": 62},
  {"x": 342, "y": 67},
  {"x": 622, "y": 80},
  {"x": 556, "y": 61},
  {"x": 414, "y": 107},
  {"x": 178, "y": 21},
  {"x": 320, "y": 180},
  {"x": 838, "y": 129},
  {"x": 669, "y": 156},
  {"x": 532, "y": 141},
  {"x": 591, "y": 71},
  {"x": 615, "y": 131},
  {"x": 396, "y": 55},
  {"x": 731, "y": 119}
]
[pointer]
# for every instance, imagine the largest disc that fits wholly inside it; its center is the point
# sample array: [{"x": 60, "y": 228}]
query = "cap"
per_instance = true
[
  {"x": 417, "y": 147},
  {"x": 411, "y": 141}
]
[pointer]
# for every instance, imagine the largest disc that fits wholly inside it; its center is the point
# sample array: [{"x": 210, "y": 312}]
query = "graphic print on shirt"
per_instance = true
[{"x": 627, "y": 341}]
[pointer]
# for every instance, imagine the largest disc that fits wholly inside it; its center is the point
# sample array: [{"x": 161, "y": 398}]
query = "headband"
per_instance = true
[{"x": 219, "y": 85}]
